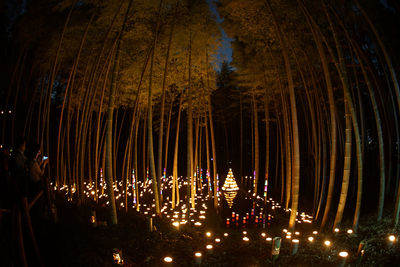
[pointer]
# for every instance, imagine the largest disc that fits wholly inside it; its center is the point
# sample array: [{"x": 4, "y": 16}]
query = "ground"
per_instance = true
[{"x": 74, "y": 241}]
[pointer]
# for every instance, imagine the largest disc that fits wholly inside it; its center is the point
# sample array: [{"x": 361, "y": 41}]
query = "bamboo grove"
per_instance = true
[{"x": 122, "y": 86}]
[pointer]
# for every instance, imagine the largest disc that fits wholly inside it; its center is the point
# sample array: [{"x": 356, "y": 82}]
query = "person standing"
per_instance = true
[{"x": 18, "y": 169}]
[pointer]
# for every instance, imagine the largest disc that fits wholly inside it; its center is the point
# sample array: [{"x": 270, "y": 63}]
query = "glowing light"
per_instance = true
[
  {"x": 392, "y": 238},
  {"x": 263, "y": 234},
  {"x": 225, "y": 234},
  {"x": 208, "y": 234},
  {"x": 176, "y": 224},
  {"x": 311, "y": 239},
  {"x": 246, "y": 239},
  {"x": 269, "y": 239},
  {"x": 295, "y": 241},
  {"x": 336, "y": 230},
  {"x": 217, "y": 240},
  {"x": 315, "y": 232},
  {"x": 167, "y": 259},
  {"x": 117, "y": 257},
  {"x": 209, "y": 247},
  {"x": 349, "y": 231},
  {"x": 198, "y": 254},
  {"x": 327, "y": 243},
  {"x": 343, "y": 254}
]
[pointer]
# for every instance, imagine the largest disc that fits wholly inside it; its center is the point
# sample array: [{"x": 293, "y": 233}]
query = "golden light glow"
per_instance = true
[
  {"x": 392, "y": 238},
  {"x": 209, "y": 247},
  {"x": 198, "y": 254},
  {"x": 168, "y": 259},
  {"x": 327, "y": 243},
  {"x": 343, "y": 254},
  {"x": 311, "y": 239}
]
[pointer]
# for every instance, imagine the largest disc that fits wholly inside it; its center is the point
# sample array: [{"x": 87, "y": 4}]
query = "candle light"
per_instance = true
[
  {"x": 349, "y": 231},
  {"x": 117, "y": 257},
  {"x": 276, "y": 246},
  {"x": 295, "y": 246},
  {"x": 197, "y": 256},
  {"x": 392, "y": 238},
  {"x": 208, "y": 234},
  {"x": 343, "y": 255},
  {"x": 263, "y": 234},
  {"x": 168, "y": 259}
]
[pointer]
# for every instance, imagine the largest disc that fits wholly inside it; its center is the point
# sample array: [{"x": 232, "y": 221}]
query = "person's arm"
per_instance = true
[
  {"x": 36, "y": 172},
  {"x": 43, "y": 164}
]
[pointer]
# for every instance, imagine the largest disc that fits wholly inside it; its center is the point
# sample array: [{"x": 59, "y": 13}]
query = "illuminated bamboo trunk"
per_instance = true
[
  {"x": 267, "y": 148},
  {"x": 256, "y": 146},
  {"x": 346, "y": 171},
  {"x": 380, "y": 134},
  {"x": 175, "y": 186},
  {"x": 333, "y": 128},
  {"x": 72, "y": 73},
  {"x": 167, "y": 136},
  {"x": 150, "y": 132},
  {"x": 160, "y": 134},
  {"x": 189, "y": 162},
  {"x": 341, "y": 68},
  {"x": 295, "y": 131},
  {"x": 207, "y": 155}
]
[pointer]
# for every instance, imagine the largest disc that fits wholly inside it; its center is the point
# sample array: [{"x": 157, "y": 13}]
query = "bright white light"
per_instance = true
[
  {"x": 269, "y": 239},
  {"x": 295, "y": 241},
  {"x": 349, "y": 231},
  {"x": 392, "y": 238},
  {"x": 198, "y": 254},
  {"x": 246, "y": 239},
  {"x": 336, "y": 230},
  {"x": 168, "y": 259},
  {"x": 327, "y": 243},
  {"x": 311, "y": 239},
  {"x": 209, "y": 246},
  {"x": 208, "y": 234},
  {"x": 343, "y": 254}
]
